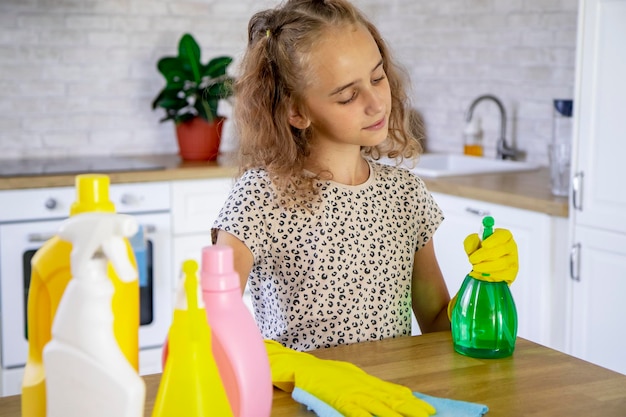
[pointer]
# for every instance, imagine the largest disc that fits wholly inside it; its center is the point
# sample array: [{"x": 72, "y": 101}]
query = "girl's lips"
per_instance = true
[{"x": 378, "y": 125}]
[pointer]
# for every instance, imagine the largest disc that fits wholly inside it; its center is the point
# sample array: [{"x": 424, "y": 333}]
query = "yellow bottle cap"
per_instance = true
[{"x": 92, "y": 194}]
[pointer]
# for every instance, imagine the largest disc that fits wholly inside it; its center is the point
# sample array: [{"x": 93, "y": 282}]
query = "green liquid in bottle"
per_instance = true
[{"x": 484, "y": 318}]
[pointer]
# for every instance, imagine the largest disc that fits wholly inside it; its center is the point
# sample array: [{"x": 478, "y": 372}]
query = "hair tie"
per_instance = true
[{"x": 268, "y": 33}]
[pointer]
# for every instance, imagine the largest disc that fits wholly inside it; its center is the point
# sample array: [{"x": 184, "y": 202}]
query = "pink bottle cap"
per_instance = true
[{"x": 218, "y": 273}]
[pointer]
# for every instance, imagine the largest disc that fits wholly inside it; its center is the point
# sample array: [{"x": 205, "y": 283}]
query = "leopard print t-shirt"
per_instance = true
[{"x": 339, "y": 274}]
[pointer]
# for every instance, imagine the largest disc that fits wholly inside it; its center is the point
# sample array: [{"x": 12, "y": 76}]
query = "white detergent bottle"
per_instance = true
[{"x": 87, "y": 373}]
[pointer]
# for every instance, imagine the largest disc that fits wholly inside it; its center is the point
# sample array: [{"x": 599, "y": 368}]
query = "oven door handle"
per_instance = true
[
  {"x": 44, "y": 237},
  {"x": 40, "y": 237}
]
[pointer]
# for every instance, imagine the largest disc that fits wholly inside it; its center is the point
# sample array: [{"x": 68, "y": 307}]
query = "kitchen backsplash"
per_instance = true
[{"x": 78, "y": 77}]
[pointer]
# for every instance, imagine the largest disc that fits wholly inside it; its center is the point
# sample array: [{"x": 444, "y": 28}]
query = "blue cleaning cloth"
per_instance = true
[
  {"x": 453, "y": 408},
  {"x": 445, "y": 407}
]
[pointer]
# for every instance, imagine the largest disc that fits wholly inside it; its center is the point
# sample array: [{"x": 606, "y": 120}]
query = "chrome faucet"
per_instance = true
[{"x": 503, "y": 150}]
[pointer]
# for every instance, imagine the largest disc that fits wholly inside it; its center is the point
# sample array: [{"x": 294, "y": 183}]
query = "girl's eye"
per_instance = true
[
  {"x": 351, "y": 99},
  {"x": 377, "y": 80}
]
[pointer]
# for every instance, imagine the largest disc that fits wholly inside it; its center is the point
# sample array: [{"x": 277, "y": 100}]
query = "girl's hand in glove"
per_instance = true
[
  {"x": 495, "y": 258},
  {"x": 341, "y": 385}
]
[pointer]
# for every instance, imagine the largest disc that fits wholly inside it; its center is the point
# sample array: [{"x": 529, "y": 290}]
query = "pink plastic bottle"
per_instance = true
[{"x": 238, "y": 345}]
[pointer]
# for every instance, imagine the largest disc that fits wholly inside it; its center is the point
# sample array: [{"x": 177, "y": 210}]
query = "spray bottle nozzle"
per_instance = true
[
  {"x": 488, "y": 223},
  {"x": 96, "y": 235},
  {"x": 190, "y": 269}
]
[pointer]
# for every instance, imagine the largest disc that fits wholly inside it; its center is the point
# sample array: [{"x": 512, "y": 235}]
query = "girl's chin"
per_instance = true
[{"x": 379, "y": 137}]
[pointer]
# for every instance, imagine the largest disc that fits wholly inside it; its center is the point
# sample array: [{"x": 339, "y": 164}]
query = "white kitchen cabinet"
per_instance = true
[
  {"x": 599, "y": 111},
  {"x": 195, "y": 206},
  {"x": 542, "y": 251},
  {"x": 196, "y": 203},
  {"x": 598, "y": 296},
  {"x": 188, "y": 247},
  {"x": 598, "y": 208}
]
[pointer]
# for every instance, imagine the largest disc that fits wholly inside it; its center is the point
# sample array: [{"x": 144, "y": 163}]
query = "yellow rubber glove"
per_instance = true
[
  {"x": 343, "y": 386},
  {"x": 495, "y": 258}
]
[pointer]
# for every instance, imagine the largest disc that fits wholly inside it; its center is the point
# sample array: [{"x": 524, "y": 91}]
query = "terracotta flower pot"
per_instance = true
[{"x": 199, "y": 140}]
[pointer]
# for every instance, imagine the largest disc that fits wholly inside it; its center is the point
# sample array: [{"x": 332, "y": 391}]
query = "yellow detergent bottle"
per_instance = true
[
  {"x": 191, "y": 385},
  {"x": 50, "y": 275}
]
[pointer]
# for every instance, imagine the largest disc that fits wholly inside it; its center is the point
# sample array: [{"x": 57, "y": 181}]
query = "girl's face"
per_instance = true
[{"x": 347, "y": 97}]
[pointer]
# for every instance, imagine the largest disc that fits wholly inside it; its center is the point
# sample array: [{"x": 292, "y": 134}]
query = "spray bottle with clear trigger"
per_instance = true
[{"x": 87, "y": 373}]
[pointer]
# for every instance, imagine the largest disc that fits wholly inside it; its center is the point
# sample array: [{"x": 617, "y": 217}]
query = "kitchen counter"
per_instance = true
[
  {"x": 173, "y": 169},
  {"x": 528, "y": 190},
  {"x": 535, "y": 381}
]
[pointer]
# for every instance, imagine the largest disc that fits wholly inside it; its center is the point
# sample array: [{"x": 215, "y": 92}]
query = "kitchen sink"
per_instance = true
[{"x": 434, "y": 165}]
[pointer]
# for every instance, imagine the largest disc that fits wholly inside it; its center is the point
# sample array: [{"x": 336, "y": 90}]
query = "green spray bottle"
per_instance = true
[{"x": 484, "y": 318}]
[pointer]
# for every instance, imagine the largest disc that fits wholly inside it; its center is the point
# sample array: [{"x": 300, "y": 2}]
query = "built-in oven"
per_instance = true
[{"x": 29, "y": 217}]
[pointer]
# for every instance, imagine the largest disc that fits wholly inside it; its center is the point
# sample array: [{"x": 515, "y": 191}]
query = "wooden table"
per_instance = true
[{"x": 535, "y": 381}]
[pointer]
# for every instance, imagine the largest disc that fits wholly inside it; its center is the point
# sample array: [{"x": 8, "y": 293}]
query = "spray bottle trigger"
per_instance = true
[
  {"x": 114, "y": 249},
  {"x": 96, "y": 234}
]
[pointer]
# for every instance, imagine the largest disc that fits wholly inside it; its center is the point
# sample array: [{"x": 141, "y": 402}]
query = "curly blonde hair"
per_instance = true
[{"x": 271, "y": 82}]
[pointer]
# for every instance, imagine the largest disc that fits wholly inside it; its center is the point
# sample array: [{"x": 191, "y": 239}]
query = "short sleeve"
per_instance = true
[{"x": 243, "y": 212}]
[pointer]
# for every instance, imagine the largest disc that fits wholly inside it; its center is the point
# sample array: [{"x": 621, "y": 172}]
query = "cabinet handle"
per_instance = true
[
  {"x": 478, "y": 212},
  {"x": 574, "y": 262},
  {"x": 577, "y": 191}
]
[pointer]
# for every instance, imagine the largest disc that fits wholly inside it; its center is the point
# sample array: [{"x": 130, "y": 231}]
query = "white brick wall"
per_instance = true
[
  {"x": 523, "y": 51},
  {"x": 78, "y": 77}
]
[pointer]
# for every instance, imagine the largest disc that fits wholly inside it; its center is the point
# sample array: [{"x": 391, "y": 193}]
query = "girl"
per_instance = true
[{"x": 336, "y": 248}]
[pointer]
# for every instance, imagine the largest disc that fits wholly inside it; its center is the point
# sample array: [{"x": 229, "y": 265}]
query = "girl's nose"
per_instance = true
[{"x": 375, "y": 102}]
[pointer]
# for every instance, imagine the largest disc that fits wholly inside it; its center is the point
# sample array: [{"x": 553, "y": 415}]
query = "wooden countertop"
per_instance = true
[
  {"x": 173, "y": 169},
  {"x": 528, "y": 190},
  {"x": 535, "y": 381}
]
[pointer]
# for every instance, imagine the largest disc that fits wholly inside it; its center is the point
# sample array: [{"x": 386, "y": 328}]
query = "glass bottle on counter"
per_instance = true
[
  {"x": 560, "y": 149},
  {"x": 473, "y": 138}
]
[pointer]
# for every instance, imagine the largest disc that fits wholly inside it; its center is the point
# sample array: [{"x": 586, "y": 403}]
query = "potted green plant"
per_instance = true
[{"x": 191, "y": 96}]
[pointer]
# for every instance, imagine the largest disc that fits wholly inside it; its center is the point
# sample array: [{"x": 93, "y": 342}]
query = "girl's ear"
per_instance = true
[{"x": 297, "y": 120}]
